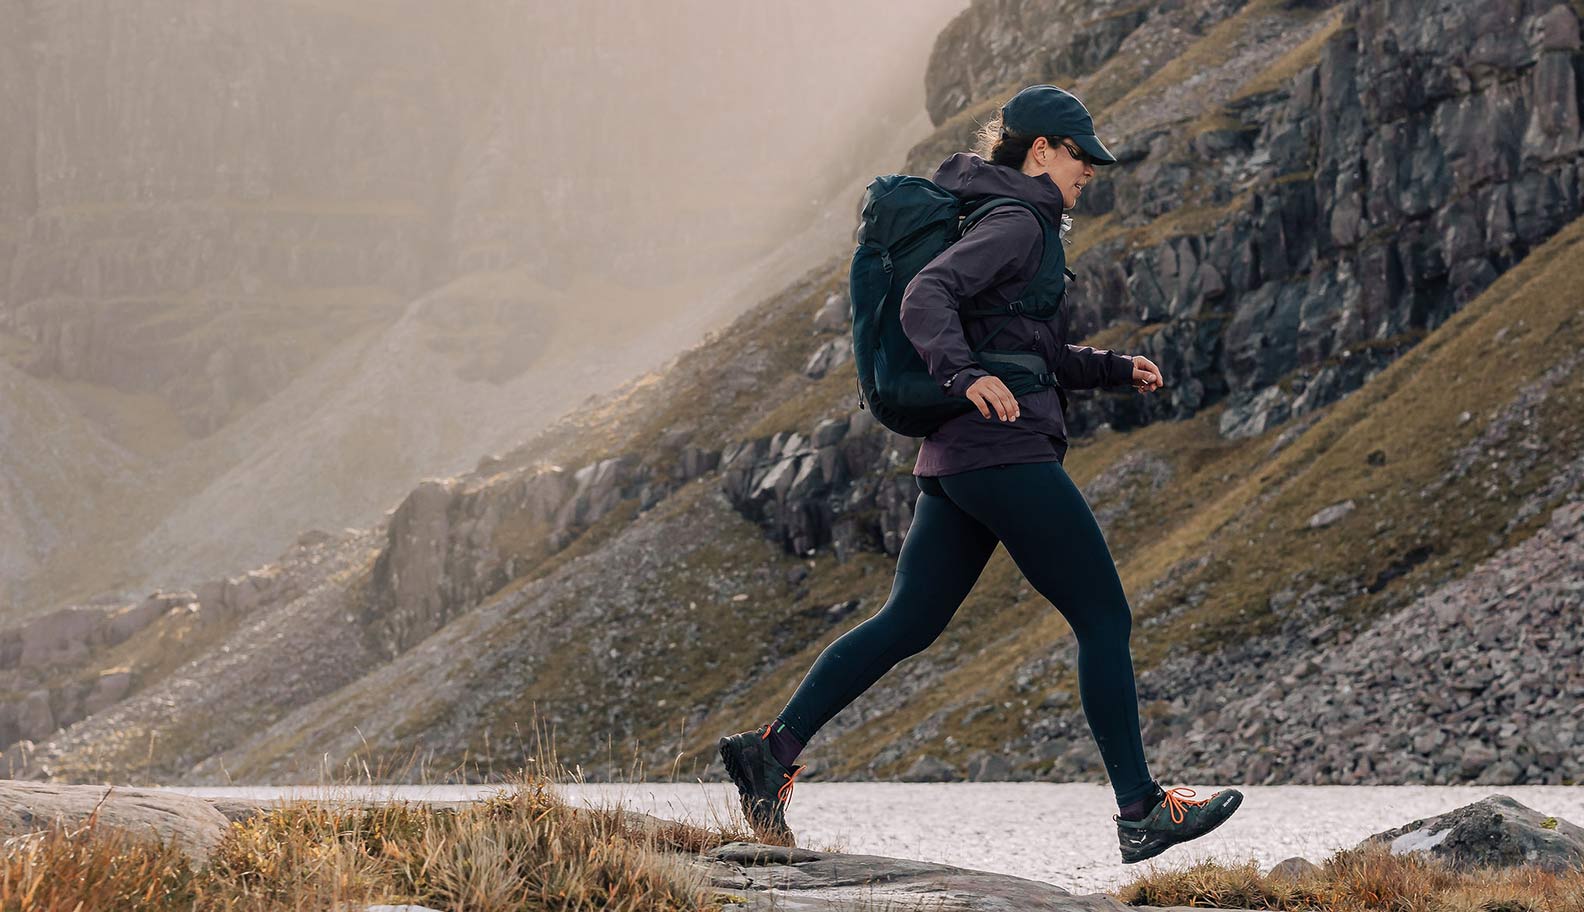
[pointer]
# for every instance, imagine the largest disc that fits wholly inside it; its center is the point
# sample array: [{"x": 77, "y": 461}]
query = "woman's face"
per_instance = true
[{"x": 1068, "y": 166}]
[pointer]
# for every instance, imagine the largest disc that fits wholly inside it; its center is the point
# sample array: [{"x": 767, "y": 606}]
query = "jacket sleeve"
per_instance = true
[
  {"x": 1083, "y": 367},
  {"x": 1001, "y": 246}
]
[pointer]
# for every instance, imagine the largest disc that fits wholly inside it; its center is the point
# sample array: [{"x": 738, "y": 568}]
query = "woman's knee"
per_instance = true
[
  {"x": 910, "y": 620},
  {"x": 1100, "y": 623}
]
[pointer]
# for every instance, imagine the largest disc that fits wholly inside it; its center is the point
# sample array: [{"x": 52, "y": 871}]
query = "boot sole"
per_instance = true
[
  {"x": 1164, "y": 841},
  {"x": 732, "y": 760}
]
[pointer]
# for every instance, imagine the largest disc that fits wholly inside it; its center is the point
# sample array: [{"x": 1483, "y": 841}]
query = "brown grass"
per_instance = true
[
  {"x": 1210, "y": 50},
  {"x": 1362, "y": 879},
  {"x": 521, "y": 848},
  {"x": 1285, "y": 67}
]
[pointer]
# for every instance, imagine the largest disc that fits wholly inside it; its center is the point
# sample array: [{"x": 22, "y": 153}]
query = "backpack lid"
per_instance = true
[{"x": 897, "y": 206}]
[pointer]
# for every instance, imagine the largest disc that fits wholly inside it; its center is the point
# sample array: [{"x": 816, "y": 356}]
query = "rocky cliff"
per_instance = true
[{"x": 1361, "y": 438}]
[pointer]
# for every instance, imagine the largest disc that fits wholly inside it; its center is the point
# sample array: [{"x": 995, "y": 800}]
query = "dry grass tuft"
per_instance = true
[{"x": 1362, "y": 879}]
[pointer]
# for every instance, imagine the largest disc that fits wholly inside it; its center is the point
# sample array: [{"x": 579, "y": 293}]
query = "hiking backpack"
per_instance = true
[{"x": 907, "y": 222}]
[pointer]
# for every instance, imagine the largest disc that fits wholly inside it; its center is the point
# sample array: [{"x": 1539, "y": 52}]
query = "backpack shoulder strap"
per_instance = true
[
  {"x": 1036, "y": 300},
  {"x": 985, "y": 208}
]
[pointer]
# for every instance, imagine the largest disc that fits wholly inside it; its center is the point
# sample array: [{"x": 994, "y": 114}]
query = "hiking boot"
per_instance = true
[
  {"x": 764, "y": 785},
  {"x": 1176, "y": 819}
]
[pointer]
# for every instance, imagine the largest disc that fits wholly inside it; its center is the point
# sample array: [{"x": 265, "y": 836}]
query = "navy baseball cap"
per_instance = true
[{"x": 1044, "y": 110}]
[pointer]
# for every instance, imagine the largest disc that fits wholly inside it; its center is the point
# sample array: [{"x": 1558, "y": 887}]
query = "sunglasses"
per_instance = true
[{"x": 1074, "y": 151}]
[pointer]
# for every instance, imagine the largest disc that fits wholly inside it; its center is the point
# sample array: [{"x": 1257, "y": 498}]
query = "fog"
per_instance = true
[
  {"x": 268, "y": 265},
  {"x": 690, "y": 131}
]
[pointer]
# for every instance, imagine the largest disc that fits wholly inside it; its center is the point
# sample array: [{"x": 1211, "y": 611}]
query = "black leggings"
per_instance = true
[{"x": 1047, "y": 527}]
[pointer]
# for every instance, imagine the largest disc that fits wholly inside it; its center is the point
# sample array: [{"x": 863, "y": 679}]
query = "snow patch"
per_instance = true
[{"x": 1418, "y": 840}]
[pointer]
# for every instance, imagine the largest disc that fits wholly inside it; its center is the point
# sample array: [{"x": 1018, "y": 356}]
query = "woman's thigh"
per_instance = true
[
  {"x": 942, "y": 555},
  {"x": 1037, "y": 511}
]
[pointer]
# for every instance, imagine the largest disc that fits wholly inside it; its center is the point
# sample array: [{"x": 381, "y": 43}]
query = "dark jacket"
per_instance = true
[{"x": 993, "y": 263}]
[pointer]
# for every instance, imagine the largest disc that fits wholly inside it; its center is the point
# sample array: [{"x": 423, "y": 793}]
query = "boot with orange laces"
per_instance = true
[
  {"x": 1175, "y": 819},
  {"x": 763, "y": 782}
]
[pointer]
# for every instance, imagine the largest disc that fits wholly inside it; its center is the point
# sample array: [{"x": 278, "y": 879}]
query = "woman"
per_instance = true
[{"x": 995, "y": 475}]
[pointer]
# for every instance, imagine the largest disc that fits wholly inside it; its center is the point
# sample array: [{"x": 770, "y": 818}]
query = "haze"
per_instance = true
[{"x": 267, "y": 265}]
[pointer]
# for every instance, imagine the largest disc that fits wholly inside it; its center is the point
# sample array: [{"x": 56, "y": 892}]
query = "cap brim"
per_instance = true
[{"x": 1097, "y": 151}]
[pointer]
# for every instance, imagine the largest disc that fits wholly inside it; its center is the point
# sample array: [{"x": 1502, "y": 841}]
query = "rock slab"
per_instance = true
[
  {"x": 29, "y": 807},
  {"x": 794, "y": 879}
]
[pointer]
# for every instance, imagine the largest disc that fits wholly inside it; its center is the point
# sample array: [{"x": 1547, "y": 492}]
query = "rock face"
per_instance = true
[
  {"x": 306, "y": 624},
  {"x": 34, "y": 653},
  {"x": 994, "y": 43},
  {"x": 341, "y": 272},
  {"x": 1495, "y": 832},
  {"x": 844, "y": 486},
  {"x": 446, "y": 544},
  {"x": 192, "y": 823}
]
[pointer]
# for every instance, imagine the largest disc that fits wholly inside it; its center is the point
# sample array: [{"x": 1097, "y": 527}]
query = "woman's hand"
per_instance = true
[
  {"x": 1146, "y": 376},
  {"x": 989, "y": 392}
]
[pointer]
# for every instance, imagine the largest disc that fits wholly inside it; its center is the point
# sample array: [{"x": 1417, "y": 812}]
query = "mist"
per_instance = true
[{"x": 270, "y": 264}]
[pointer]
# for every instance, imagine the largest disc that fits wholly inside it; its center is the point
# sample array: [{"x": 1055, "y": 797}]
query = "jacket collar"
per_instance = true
[{"x": 968, "y": 176}]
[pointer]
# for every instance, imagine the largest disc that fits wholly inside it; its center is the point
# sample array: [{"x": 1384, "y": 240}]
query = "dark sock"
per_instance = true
[
  {"x": 784, "y": 745},
  {"x": 1140, "y": 809}
]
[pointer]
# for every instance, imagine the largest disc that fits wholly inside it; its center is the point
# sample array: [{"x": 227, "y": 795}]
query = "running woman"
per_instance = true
[{"x": 995, "y": 475}]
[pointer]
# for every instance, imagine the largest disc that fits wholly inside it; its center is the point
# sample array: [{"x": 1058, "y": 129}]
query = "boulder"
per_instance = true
[
  {"x": 1331, "y": 514},
  {"x": 990, "y": 768},
  {"x": 930, "y": 769},
  {"x": 1493, "y": 832},
  {"x": 1295, "y": 869},
  {"x": 35, "y": 718},
  {"x": 121, "y": 625},
  {"x": 834, "y": 314},
  {"x": 109, "y": 688},
  {"x": 827, "y": 357},
  {"x": 61, "y": 637}
]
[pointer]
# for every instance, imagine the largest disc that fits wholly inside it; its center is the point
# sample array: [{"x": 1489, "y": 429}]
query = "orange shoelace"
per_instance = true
[
  {"x": 1180, "y": 803},
  {"x": 784, "y": 794}
]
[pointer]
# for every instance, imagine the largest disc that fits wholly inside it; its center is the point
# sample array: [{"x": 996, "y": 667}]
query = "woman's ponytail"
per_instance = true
[{"x": 995, "y": 145}]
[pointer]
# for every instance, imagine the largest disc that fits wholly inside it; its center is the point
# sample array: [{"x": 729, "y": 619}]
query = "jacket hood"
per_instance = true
[{"x": 969, "y": 176}]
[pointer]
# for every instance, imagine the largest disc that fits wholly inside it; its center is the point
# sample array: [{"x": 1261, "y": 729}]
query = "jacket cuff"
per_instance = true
[
  {"x": 960, "y": 381},
  {"x": 1121, "y": 369}
]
